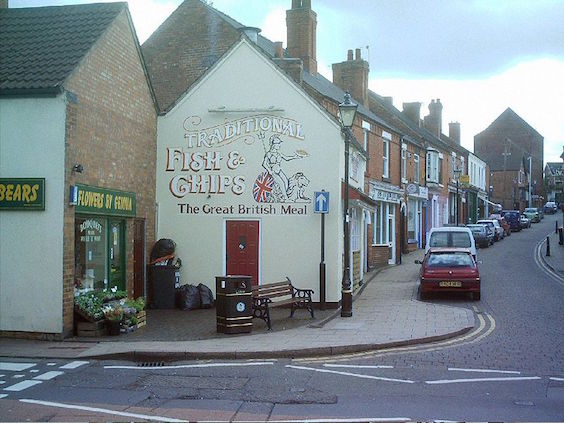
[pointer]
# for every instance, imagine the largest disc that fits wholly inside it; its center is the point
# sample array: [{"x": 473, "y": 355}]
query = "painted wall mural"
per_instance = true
[{"x": 247, "y": 159}]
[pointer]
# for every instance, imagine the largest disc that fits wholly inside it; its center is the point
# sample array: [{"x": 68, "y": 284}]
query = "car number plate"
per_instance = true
[{"x": 450, "y": 284}]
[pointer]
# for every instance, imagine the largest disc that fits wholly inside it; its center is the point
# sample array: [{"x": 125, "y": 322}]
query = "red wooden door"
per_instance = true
[{"x": 242, "y": 248}]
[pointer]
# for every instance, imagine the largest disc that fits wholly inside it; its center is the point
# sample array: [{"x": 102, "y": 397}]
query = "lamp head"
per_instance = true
[{"x": 347, "y": 111}]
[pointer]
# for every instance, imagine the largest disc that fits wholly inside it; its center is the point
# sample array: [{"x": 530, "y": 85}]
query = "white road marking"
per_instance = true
[
  {"x": 191, "y": 366},
  {"x": 34, "y": 371},
  {"x": 558, "y": 379},
  {"x": 2, "y": 382},
  {"x": 102, "y": 410},
  {"x": 18, "y": 376},
  {"x": 74, "y": 364},
  {"x": 492, "y": 379},
  {"x": 48, "y": 375},
  {"x": 51, "y": 364},
  {"x": 353, "y": 366},
  {"x": 22, "y": 385},
  {"x": 511, "y": 372},
  {"x": 15, "y": 367},
  {"x": 3, "y": 396},
  {"x": 359, "y": 420},
  {"x": 385, "y": 379}
]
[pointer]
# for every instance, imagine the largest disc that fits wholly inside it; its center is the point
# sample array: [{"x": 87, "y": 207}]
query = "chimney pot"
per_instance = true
[
  {"x": 251, "y": 32},
  {"x": 357, "y": 54},
  {"x": 413, "y": 112},
  {"x": 350, "y": 55}
]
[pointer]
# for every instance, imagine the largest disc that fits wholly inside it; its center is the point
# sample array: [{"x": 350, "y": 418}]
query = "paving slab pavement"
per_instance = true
[{"x": 386, "y": 313}]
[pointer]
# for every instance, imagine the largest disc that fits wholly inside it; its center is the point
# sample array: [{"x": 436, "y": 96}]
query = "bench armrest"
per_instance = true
[{"x": 303, "y": 293}]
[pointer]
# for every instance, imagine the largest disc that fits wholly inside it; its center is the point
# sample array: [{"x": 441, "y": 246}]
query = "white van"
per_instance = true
[{"x": 451, "y": 236}]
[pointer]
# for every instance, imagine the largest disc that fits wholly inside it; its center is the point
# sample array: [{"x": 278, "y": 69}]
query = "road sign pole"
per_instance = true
[{"x": 322, "y": 269}]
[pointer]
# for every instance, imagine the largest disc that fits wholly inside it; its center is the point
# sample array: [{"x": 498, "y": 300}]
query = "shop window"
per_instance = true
[
  {"x": 99, "y": 253},
  {"x": 411, "y": 219},
  {"x": 378, "y": 224}
]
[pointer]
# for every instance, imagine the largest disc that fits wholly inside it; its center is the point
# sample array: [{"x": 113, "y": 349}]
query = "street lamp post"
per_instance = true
[
  {"x": 457, "y": 173},
  {"x": 347, "y": 111}
]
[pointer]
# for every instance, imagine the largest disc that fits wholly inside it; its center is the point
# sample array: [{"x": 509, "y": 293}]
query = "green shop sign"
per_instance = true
[
  {"x": 22, "y": 193},
  {"x": 95, "y": 200}
]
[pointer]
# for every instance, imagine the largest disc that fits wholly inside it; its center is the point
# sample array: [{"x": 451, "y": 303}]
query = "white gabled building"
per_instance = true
[{"x": 239, "y": 158}]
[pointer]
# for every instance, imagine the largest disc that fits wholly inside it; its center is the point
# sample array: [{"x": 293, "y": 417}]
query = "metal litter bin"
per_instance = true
[
  {"x": 234, "y": 304},
  {"x": 164, "y": 279}
]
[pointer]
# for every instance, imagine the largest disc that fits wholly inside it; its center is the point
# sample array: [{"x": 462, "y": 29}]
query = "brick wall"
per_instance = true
[
  {"x": 188, "y": 43},
  {"x": 111, "y": 131}
]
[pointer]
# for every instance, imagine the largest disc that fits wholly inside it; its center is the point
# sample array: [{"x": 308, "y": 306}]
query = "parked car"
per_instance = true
[
  {"x": 532, "y": 214},
  {"x": 525, "y": 222},
  {"x": 496, "y": 227},
  {"x": 541, "y": 212},
  {"x": 550, "y": 207},
  {"x": 483, "y": 235},
  {"x": 503, "y": 223},
  {"x": 451, "y": 236},
  {"x": 451, "y": 270},
  {"x": 513, "y": 217}
]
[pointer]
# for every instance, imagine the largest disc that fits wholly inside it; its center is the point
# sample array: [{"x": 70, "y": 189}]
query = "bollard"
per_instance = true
[
  {"x": 548, "y": 246},
  {"x": 561, "y": 236},
  {"x": 556, "y": 226}
]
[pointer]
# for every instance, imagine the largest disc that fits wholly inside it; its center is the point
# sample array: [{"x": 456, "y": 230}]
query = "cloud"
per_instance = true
[{"x": 532, "y": 89}]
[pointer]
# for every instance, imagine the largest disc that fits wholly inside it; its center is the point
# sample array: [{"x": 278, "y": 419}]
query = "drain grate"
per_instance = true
[{"x": 151, "y": 364}]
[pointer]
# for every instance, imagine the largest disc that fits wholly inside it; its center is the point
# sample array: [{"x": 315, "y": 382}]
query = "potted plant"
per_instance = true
[{"x": 114, "y": 316}]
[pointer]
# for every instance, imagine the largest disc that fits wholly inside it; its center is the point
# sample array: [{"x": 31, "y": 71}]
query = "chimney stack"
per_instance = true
[
  {"x": 434, "y": 120},
  {"x": 454, "y": 131},
  {"x": 413, "y": 112},
  {"x": 301, "y": 24},
  {"x": 352, "y": 76},
  {"x": 279, "y": 50},
  {"x": 4, "y": 4}
]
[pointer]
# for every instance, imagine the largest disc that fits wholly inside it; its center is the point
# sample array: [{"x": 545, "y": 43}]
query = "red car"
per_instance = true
[{"x": 451, "y": 270}]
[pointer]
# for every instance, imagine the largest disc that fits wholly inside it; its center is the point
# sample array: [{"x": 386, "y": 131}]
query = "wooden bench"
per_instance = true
[{"x": 285, "y": 294}]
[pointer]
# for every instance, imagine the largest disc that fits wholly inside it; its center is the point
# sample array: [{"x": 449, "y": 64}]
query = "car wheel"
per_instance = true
[{"x": 475, "y": 296}]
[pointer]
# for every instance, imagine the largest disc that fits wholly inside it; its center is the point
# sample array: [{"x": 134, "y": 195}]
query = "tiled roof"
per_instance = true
[{"x": 41, "y": 46}]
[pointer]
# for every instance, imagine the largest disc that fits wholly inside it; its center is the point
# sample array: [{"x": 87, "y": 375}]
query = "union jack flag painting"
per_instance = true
[{"x": 262, "y": 189}]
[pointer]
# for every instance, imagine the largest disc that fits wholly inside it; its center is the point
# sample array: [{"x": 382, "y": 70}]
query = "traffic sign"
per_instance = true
[{"x": 321, "y": 200}]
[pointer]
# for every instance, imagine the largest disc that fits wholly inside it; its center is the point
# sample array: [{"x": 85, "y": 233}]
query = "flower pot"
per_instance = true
[{"x": 113, "y": 327}]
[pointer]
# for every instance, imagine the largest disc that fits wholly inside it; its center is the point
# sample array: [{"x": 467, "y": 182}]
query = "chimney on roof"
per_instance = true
[
  {"x": 388, "y": 100},
  {"x": 4, "y": 4},
  {"x": 278, "y": 50},
  {"x": 301, "y": 24},
  {"x": 352, "y": 76},
  {"x": 454, "y": 131},
  {"x": 433, "y": 122},
  {"x": 412, "y": 111},
  {"x": 251, "y": 32}
]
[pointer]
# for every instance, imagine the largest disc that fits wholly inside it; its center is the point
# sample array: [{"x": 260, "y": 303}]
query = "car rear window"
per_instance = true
[
  {"x": 449, "y": 259},
  {"x": 476, "y": 228},
  {"x": 450, "y": 239}
]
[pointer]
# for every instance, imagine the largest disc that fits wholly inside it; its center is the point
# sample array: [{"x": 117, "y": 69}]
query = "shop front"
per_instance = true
[
  {"x": 102, "y": 218},
  {"x": 385, "y": 229},
  {"x": 416, "y": 200}
]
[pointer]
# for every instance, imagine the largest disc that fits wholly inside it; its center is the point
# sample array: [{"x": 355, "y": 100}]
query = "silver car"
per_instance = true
[{"x": 493, "y": 223}]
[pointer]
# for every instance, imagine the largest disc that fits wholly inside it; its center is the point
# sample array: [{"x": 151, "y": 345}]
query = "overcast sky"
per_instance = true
[{"x": 478, "y": 56}]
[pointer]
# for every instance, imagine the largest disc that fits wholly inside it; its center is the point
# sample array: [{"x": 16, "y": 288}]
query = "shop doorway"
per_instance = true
[
  {"x": 139, "y": 259},
  {"x": 242, "y": 248}
]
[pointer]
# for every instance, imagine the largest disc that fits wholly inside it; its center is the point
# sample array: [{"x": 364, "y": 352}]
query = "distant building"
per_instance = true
[
  {"x": 554, "y": 181},
  {"x": 514, "y": 152}
]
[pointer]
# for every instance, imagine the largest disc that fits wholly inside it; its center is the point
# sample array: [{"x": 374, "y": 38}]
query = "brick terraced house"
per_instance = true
[{"x": 77, "y": 162}]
